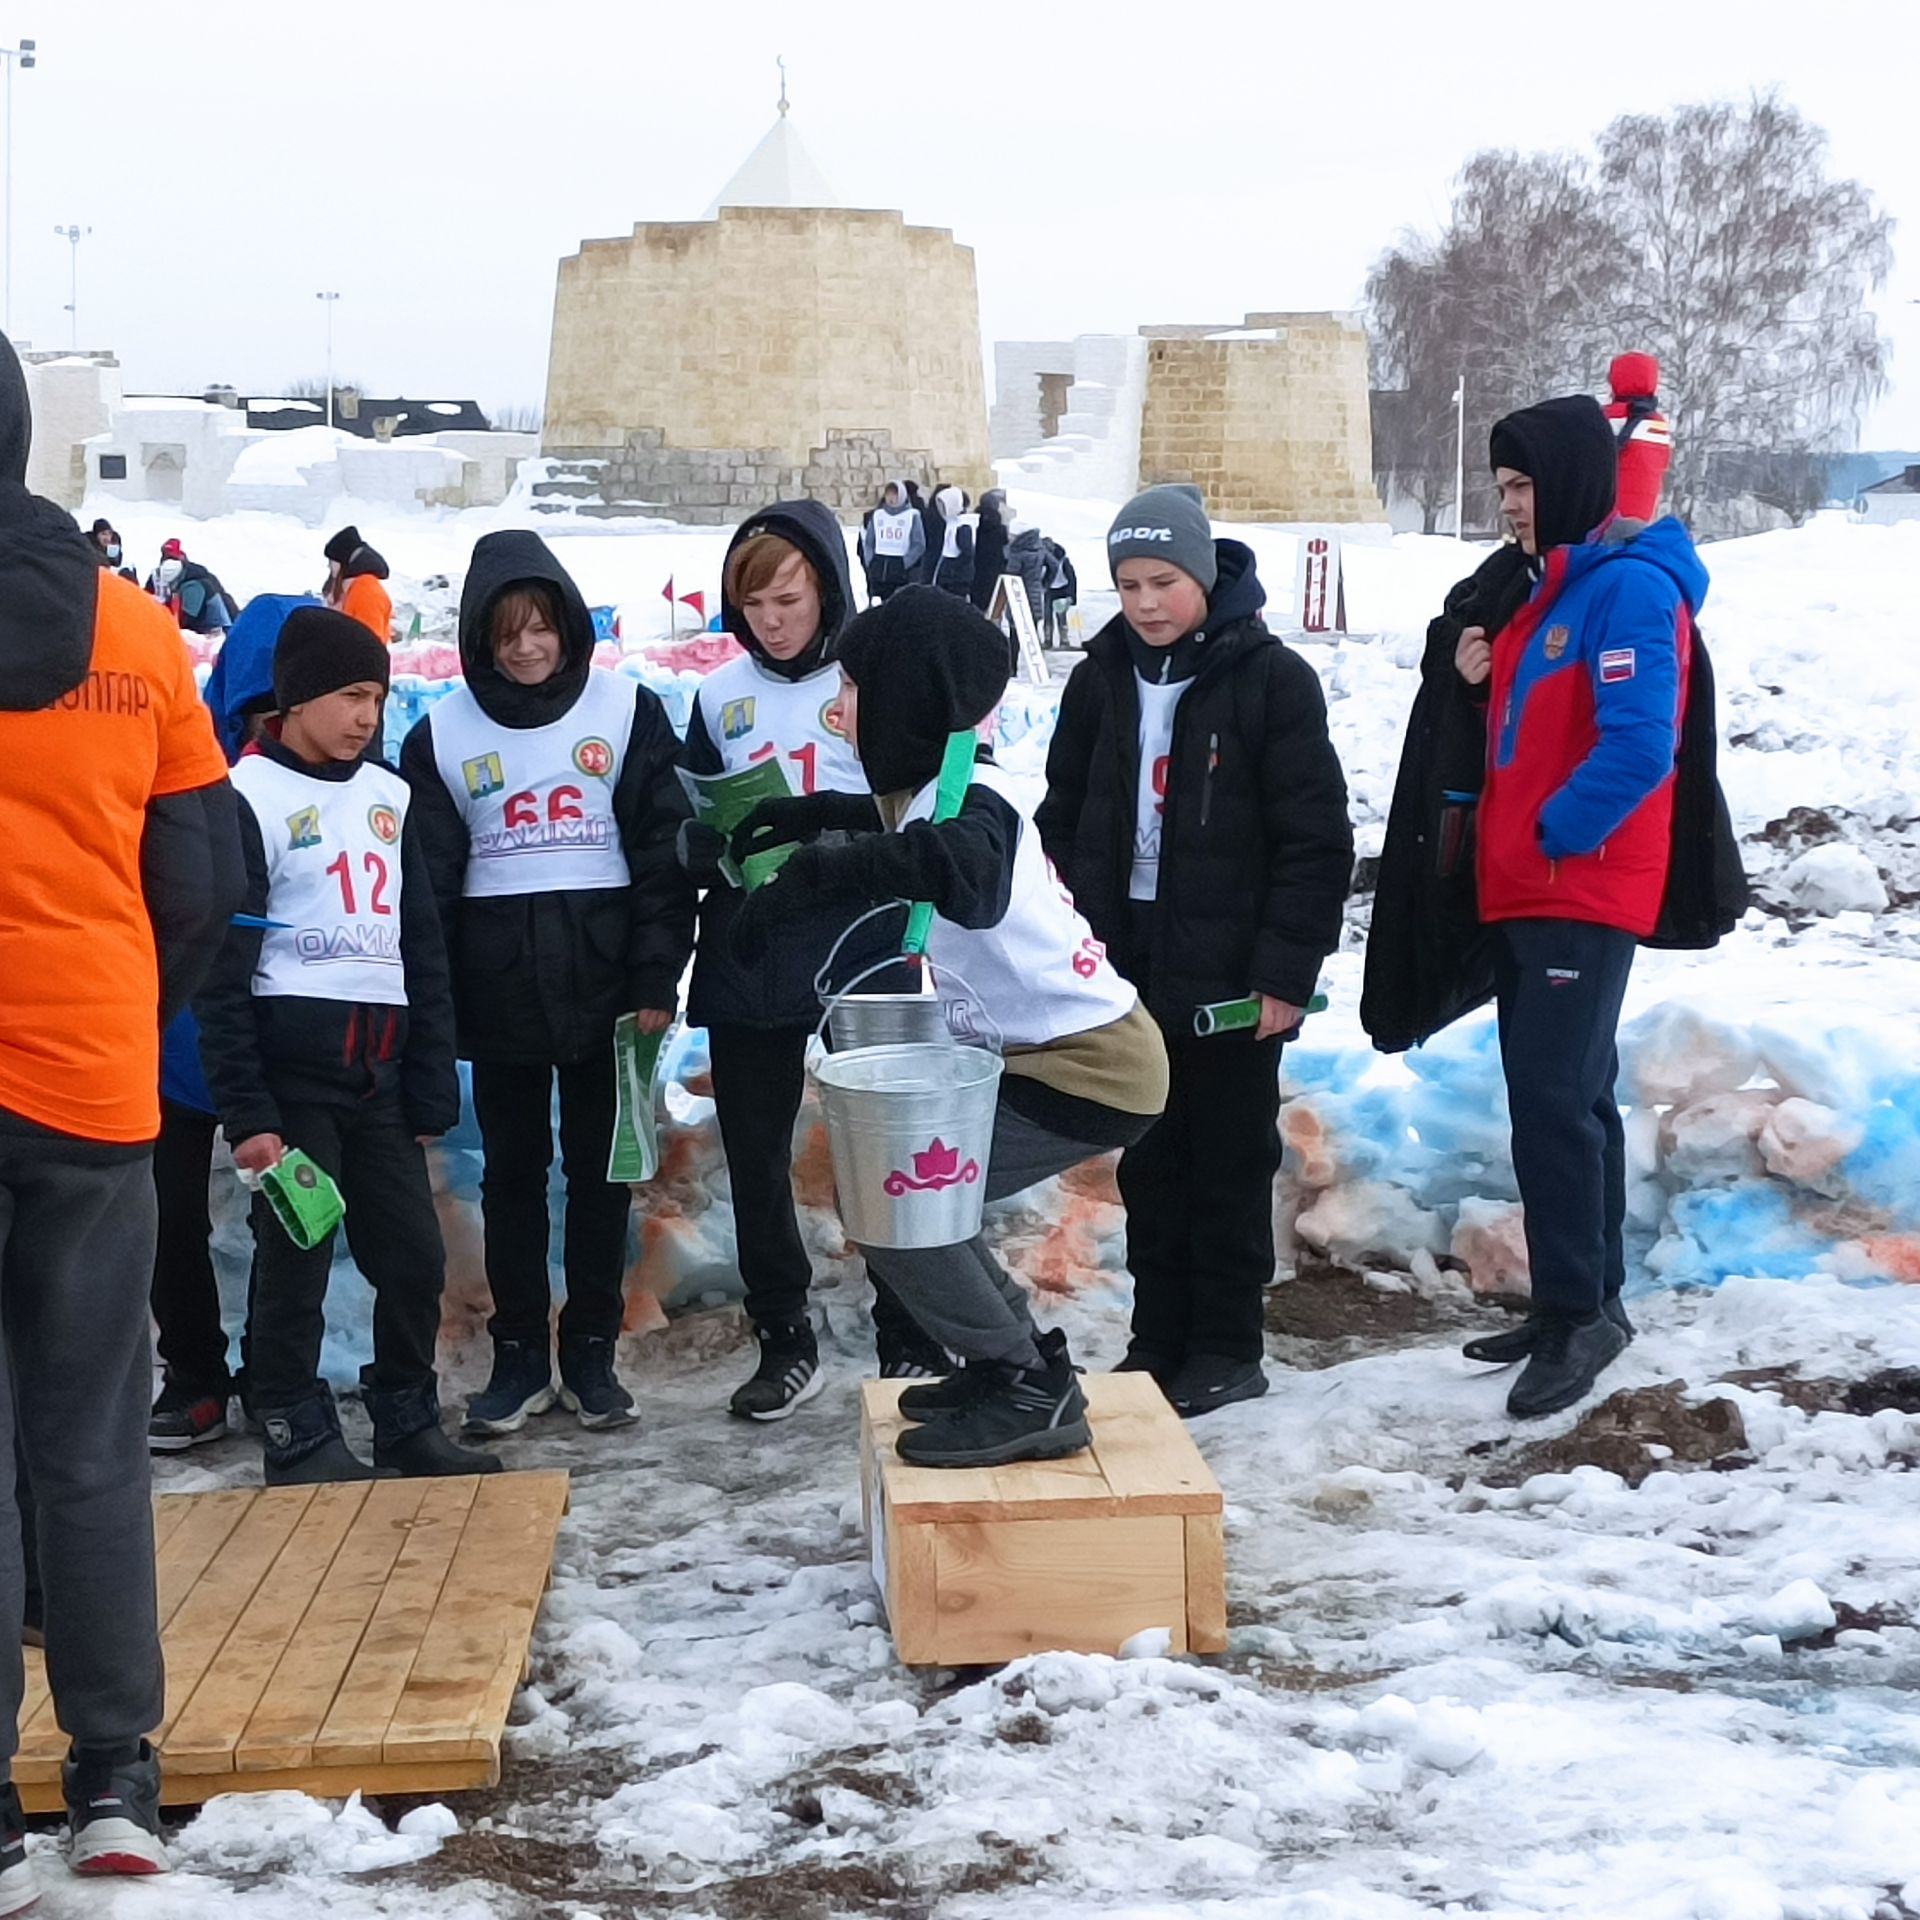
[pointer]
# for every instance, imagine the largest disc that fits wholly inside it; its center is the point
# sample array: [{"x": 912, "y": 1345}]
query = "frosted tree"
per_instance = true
[{"x": 1746, "y": 269}]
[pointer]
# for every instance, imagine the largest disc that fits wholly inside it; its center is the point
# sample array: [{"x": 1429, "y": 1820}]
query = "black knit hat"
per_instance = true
[
  {"x": 927, "y": 666},
  {"x": 342, "y": 547},
  {"x": 1566, "y": 448},
  {"x": 319, "y": 652}
]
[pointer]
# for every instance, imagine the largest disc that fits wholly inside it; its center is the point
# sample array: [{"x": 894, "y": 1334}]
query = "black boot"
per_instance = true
[
  {"x": 1568, "y": 1357},
  {"x": 1023, "y": 1413},
  {"x": 970, "y": 1381},
  {"x": 1209, "y": 1381},
  {"x": 787, "y": 1377},
  {"x": 1503, "y": 1349},
  {"x": 407, "y": 1437},
  {"x": 1163, "y": 1366},
  {"x": 113, "y": 1810},
  {"x": 589, "y": 1387},
  {"x": 304, "y": 1447}
]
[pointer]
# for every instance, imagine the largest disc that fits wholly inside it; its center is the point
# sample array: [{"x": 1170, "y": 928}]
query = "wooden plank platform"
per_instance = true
[
  {"x": 979, "y": 1565},
  {"x": 361, "y": 1635}
]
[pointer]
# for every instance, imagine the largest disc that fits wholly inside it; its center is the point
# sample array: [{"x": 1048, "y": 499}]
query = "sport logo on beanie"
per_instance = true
[{"x": 1166, "y": 523}]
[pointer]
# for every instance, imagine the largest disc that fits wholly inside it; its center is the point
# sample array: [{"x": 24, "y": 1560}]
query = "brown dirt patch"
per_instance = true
[
  {"x": 1327, "y": 1314},
  {"x": 1635, "y": 1432},
  {"x": 1895, "y": 1389}
]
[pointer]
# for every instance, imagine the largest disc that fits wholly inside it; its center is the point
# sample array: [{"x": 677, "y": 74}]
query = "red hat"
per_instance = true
[
  {"x": 173, "y": 550},
  {"x": 1634, "y": 376}
]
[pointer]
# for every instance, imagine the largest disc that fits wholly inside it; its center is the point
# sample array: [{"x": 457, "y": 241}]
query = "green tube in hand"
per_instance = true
[{"x": 1240, "y": 1016}]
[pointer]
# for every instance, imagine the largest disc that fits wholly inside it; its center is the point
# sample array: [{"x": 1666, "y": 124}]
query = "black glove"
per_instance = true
[
  {"x": 700, "y": 849},
  {"x": 798, "y": 818},
  {"x": 809, "y": 876}
]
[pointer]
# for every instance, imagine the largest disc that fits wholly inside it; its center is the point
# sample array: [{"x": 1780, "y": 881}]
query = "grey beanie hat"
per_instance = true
[{"x": 1166, "y": 523}]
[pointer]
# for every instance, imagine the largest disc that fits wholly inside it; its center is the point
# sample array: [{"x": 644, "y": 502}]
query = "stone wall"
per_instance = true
[
  {"x": 1269, "y": 420},
  {"x": 718, "y": 364},
  {"x": 717, "y": 486}
]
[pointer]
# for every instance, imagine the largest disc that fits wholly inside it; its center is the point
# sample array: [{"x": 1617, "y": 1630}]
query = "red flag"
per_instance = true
[
  {"x": 697, "y": 601},
  {"x": 666, "y": 592}
]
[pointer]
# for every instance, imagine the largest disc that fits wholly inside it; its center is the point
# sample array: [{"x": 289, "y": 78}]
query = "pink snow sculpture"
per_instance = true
[
  {"x": 1803, "y": 1141},
  {"x": 1490, "y": 1236},
  {"x": 1307, "y": 1137},
  {"x": 1713, "y": 1139},
  {"x": 1674, "y": 1054}
]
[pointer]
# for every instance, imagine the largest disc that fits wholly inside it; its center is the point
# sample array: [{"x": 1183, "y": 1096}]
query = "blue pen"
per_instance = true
[{"x": 254, "y": 920}]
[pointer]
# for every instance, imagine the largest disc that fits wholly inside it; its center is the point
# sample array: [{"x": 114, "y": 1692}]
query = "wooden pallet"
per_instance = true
[
  {"x": 367, "y": 1635},
  {"x": 979, "y": 1565}
]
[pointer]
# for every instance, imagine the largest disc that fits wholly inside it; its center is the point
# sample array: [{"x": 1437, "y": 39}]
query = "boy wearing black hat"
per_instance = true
[
  {"x": 1197, "y": 811},
  {"x": 327, "y": 1024},
  {"x": 1012, "y": 962}
]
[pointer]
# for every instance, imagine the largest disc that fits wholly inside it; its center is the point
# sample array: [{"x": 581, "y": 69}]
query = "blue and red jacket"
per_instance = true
[{"x": 1589, "y": 687}]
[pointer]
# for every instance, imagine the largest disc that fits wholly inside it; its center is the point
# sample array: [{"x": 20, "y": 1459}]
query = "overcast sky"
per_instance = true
[{"x": 1111, "y": 164}]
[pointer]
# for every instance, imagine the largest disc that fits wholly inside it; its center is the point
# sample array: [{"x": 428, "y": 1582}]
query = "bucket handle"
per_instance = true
[
  {"x": 897, "y": 960},
  {"x": 822, "y": 988}
]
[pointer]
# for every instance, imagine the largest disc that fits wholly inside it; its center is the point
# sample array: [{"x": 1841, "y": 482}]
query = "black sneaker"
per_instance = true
[
  {"x": 787, "y": 1377},
  {"x": 18, "y": 1887},
  {"x": 185, "y": 1417},
  {"x": 429, "y": 1454},
  {"x": 1209, "y": 1381},
  {"x": 1568, "y": 1357},
  {"x": 1162, "y": 1366},
  {"x": 520, "y": 1386},
  {"x": 113, "y": 1809},
  {"x": 910, "y": 1355},
  {"x": 1026, "y": 1413},
  {"x": 1516, "y": 1343},
  {"x": 970, "y": 1381},
  {"x": 589, "y": 1386}
]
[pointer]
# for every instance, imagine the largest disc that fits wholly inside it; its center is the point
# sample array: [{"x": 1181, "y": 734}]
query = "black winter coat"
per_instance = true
[
  {"x": 989, "y": 551},
  {"x": 542, "y": 977},
  {"x": 775, "y": 989},
  {"x": 1429, "y": 959},
  {"x": 1256, "y": 848},
  {"x": 260, "y": 1050}
]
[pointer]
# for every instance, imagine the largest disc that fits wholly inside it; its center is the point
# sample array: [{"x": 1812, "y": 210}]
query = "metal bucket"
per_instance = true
[
  {"x": 911, "y": 1131},
  {"x": 887, "y": 1020}
]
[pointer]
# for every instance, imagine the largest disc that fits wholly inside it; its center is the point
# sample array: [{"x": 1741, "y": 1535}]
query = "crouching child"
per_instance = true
[
  {"x": 327, "y": 1024},
  {"x": 1012, "y": 960}
]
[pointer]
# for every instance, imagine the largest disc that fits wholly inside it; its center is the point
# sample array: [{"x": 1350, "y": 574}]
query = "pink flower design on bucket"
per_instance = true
[{"x": 935, "y": 1167}]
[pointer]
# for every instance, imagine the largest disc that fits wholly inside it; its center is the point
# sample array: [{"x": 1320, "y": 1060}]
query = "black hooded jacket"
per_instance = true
[
  {"x": 51, "y": 586},
  {"x": 989, "y": 547},
  {"x": 1429, "y": 960},
  {"x": 1256, "y": 847},
  {"x": 775, "y": 988},
  {"x": 542, "y": 977}
]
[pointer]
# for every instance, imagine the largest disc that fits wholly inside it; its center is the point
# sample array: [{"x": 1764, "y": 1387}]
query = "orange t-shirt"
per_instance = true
[
  {"x": 366, "y": 600},
  {"x": 79, "y": 981}
]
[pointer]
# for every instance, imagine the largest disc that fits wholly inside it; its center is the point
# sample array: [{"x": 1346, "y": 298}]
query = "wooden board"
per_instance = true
[
  {"x": 982, "y": 1565},
  {"x": 366, "y": 1635}
]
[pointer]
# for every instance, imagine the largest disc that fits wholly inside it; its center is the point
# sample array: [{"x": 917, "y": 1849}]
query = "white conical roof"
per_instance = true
[{"x": 779, "y": 172}]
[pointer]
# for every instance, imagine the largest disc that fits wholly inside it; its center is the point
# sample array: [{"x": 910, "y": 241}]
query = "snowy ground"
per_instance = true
[{"x": 1660, "y": 1664}]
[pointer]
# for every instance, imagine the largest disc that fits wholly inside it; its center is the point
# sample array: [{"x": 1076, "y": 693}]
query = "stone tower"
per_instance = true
[{"x": 783, "y": 345}]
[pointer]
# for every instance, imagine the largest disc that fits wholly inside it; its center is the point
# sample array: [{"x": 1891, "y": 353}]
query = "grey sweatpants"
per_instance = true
[
  {"x": 961, "y": 1295},
  {"x": 76, "y": 1382}
]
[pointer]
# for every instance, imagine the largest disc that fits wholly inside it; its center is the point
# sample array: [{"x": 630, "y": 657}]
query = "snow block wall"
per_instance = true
[{"x": 1095, "y": 453}]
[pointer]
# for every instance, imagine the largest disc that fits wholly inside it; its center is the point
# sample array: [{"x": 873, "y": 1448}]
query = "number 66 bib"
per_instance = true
[{"x": 333, "y": 880}]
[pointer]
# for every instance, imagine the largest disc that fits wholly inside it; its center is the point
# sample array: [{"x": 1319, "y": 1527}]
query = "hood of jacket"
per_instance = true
[
  {"x": 812, "y": 528},
  {"x": 501, "y": 561},
  {"x": 1666, "y": 545},
  {"x": 1567, "y": 449},
  {"x": 951, "y": 502},
  {"x": 242, "y": 676},
  {"x": 365, "y": 560},
  {"x": 927, "y": 666},
  {"x": 1026, "y": 540},
  {"x": 49, "y": 570}
]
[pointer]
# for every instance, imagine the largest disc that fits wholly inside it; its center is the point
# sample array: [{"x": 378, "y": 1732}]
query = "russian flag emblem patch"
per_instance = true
[{"x": 1616, "y": 664}]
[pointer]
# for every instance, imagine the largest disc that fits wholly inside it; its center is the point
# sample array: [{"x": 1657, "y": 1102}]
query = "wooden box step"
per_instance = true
[
  {"x": 363, "y": 1635},
  {"x": 979, "y": 1565}
]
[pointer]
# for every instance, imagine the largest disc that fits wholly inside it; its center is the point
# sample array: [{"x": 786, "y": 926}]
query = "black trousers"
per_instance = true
[
  {"x": 76, "y": 1386},
  {"x": 186, "y": 1292},
  {"x": 1198, "y": 1188},
  {"x": 393, "y": 1235},
  {"x": 759, "y": 1074},
  {"x": 1559, "y": 985},
  {"x": 514, "y": 1106}
]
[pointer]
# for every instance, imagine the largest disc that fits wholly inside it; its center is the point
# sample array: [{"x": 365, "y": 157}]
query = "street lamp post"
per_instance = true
[
  {"x": 328, "y": 299},
  {"x": 20, "y": 56},
  {"x": 73, "y": 235},
  {"x": 1460, "y": 457}
]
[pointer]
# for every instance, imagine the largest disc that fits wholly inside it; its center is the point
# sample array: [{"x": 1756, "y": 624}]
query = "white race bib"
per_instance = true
[
  {"x": 1157, "y": 706},
  {"x": 893, "y": 533},
  {"x": 538, "y": 801},
  {"x": 333, "y": 878},
  {"x": 751, "y": 715}
]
